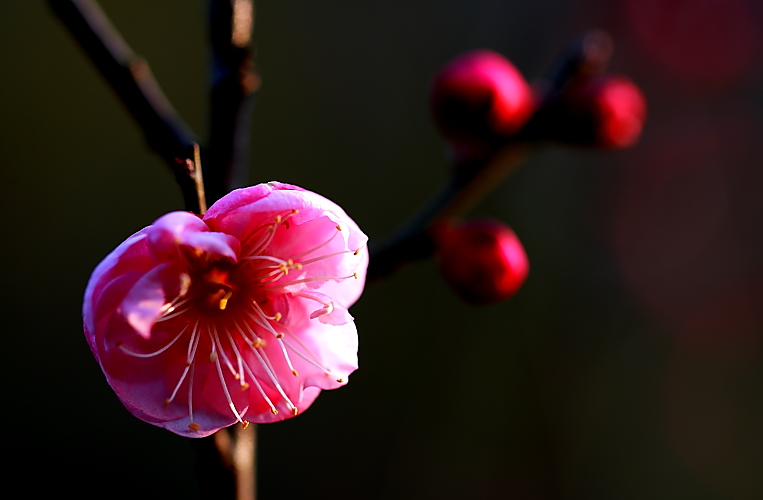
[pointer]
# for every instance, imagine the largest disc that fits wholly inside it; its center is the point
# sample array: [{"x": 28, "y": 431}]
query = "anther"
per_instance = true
[
  {"x": 167, "y": 403},
  {"x": 356, "y": 252},
  {"x": 274, "y": 411},
  {"x": 295, "y": 373},
  {"x": 224, "y": 300},
  {"x": 244, "y": 386},
  {"x": 294, "y": 411},
  {"x": 279, "y": 335},
  {"x": 278, "y": 317},
  {"x": 194, "y": 426},
  {"x": 355, "y": 275},
  {"x": 340, "y": 380},
  {"x": 278, "y": 219},
  {"x": 338, "y": 227},
  {"x": 212, "y": 357},
  {"x": 244, "y": 424}
]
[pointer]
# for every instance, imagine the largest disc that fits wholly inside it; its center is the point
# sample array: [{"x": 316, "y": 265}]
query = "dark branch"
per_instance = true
[
  {"x": 131, "y": 78},
  {"x": 234, "y": 82}
]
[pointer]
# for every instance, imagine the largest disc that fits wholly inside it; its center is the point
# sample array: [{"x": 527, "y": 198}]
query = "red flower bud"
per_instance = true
[
  {"x": 606, "y": 112},
  {"x": 479, "y": 95},
  {"x": 482, "y": 260}
]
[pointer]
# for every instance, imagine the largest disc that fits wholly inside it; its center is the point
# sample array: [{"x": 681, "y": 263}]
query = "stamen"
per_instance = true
[
  {"x": 273, "y": 409},
  {"x": 173, "y": 311},
  {"x": 224, "y": 355},
  {"x": 327, "y": 256},
  {"x": 308, "y": 280},
  {"x": 192, "y": 345},
  {"x": 286, "y": 354},
  {"x": 155, "y": 353},
  {"x": 224, "y": 300},
  {"x": 307, "y": 354},
  {"x": 239, "y": 359},
  {"x": 295, "y": 257},
  {"x": 224, "y": 385},
  {"x": 261, "y": 357},
  {"x": 193, "y": 426}
]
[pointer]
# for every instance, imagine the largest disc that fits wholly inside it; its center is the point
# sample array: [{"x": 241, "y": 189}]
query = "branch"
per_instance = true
[
  {"x": 234, "y": 83},
  {"x": 131, "y": 78}
]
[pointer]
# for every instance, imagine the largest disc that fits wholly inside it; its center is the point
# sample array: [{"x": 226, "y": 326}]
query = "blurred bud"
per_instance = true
[
  {"x": 482, "y": 259},
  {"x": 479, "y": 95},
  {"x": 607, "y": 112}
]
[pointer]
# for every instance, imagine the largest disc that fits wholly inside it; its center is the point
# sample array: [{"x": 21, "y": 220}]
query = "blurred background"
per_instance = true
[{"x": 629, "y": 366}]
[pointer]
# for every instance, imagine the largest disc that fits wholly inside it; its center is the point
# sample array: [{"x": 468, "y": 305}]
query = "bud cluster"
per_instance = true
[{"x": 481, "y": 104}]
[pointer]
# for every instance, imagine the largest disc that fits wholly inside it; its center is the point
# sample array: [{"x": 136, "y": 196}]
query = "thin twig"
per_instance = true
[{"x": 132, "y": 80}]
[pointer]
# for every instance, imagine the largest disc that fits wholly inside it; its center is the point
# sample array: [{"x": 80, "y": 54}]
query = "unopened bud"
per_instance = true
[
  {"x": 482, "y": 260},
  {"x": 478, "y": 96},
  {"x": 606, "y": 112}
]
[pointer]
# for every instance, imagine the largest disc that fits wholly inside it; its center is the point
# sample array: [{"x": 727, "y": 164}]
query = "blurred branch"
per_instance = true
[
  {"x": 234, "y": 83},
  {"x": 131, "y": 78}
]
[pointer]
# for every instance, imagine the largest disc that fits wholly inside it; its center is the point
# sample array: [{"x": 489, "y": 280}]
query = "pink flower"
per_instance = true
[
  {"x": 239, "y": 316},
  {"x": 481, "y": 259}
]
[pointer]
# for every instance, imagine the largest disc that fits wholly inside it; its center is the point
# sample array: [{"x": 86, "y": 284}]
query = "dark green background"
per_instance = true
[{"x": 628, "y": 367}]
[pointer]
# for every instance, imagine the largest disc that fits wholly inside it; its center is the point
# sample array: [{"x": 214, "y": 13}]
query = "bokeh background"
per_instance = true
[{"x": 629, "y": 366}]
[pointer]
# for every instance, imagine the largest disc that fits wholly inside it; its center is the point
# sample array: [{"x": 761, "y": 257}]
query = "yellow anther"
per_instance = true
[
  {"x": 212, "y": 357},
  {"x": 258, "y": 343},
  {"x": 340, "y": 380},
  {"x": 244, "y": 424},
  {"x": 294, "y": 372},
  {"x": 290, "y": 263},
  {"x": 236, "y": 376},
  {"x": 244, "y": 386},
  {"x": 338, "y": 227},
  {"x": 294, "y": 411},
  {"x": 297, "y": 266},
  {"x": 356, "y": 252},
  {"x": 194, "y": 426},
  {"x": 187, "y": 363},
  {"x": 224, "y": 300},
  {"x": 279, "y": 335},
  {"x": 294, "y": 211},
  {"x": 278, "y": 317},
  {"x": 167, "y": 403},
  {"x": 278, "y": 219},
  {"x": 274, "y": 411},
  {"x": 355, "y": 275}
]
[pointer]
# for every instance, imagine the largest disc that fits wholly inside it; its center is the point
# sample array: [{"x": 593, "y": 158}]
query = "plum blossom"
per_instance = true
[{"x": 239, "y": 316}]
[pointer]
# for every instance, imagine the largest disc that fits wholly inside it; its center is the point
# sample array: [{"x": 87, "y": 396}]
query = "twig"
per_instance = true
[
  {"x": 234, "y": 83},
  {"x": 131, "y": 78}
]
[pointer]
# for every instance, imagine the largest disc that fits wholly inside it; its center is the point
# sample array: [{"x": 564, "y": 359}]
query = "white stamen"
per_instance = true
[
  {"x": 155, "y": 353},
  {"x": 223, "y": 384}
]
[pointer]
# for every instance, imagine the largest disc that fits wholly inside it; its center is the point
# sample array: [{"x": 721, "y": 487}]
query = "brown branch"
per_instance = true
[
  {"x": 234, "y": 83},
  {"x": 132, "y": 80}
]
